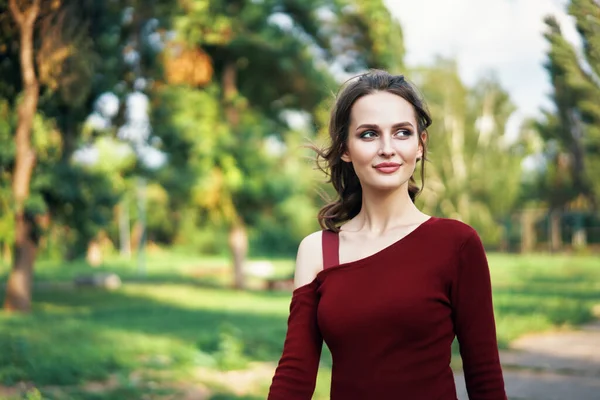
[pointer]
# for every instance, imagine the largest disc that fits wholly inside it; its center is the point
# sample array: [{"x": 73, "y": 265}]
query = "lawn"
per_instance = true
[{"x": 177, "y": 329}]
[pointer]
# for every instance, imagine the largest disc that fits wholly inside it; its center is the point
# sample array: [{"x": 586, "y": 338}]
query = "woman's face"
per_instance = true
[{"x": 383, "y": 144}]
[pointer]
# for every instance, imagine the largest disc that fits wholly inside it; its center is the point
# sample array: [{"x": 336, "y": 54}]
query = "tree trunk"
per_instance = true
[
  {"x": 69, "y": 141},
  {"x": 6, "y": 253},
  {"x": 18, "y": 289},
  {"x": 229, "y": 85},
  {"x": 136, "y": 235},
  {"x": 578, "y": 153},
  {"x": 506, "y": 230},
  {"x": 528, "y": 237},
  {"x": 555, "y": 231},
  {"x": 238, "y": 244},
  {"x": 124, "y": 233},
  {"x": 238, "y": 237},
  {"x": 579, "y": 238},
  {"x": 94, "y": 252}
]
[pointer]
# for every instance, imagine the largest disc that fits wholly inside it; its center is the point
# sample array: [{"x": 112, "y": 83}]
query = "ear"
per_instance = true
[
  {"x": 421, "y": 145},
  {"x": 346, "y": 157}
]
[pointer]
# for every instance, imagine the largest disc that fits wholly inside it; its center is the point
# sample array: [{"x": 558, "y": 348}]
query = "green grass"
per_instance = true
[
  {"x": 173, "y": 323},
  {"x": 159, "y": 266},
  {"x": 542, "y": 292}
]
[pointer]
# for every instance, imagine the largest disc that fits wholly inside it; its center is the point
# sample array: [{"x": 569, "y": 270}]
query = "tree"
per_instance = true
[
  {"x": 573, "y": 128},
  {"x": 571, "y": 131},
  {"x": 270, "y": 58},
  {"x": 57, "y": 60},
  {"x": 563, "y": 128},
  {"x": 587, "y": 16},
  {"x": 18, "y": 290},
  {"x": 474, "y": 172}
]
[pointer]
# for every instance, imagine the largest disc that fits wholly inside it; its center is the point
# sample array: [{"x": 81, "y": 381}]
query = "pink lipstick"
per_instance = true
[{"x": 387, "y": 167}]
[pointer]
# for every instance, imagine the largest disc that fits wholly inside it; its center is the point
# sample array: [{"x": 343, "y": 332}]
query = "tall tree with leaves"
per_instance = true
[
  {"x": 473, "y": 172},
  {"x": 587, "y": 17},
  {"x": 56, "y": 62},
  {"x": 271, "y": 57},
  {"x": 18, "y": 291},
  {"x": 572, "y": 130}
]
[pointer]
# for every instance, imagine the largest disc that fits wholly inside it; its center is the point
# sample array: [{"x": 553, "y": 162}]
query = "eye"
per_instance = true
[
  {"x": 403, "y": 133},
  {"x": 368, "y": 135}
]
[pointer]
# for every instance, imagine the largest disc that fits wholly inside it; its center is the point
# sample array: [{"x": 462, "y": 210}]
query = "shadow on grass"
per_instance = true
[
  {"x": 78, "y": 335},
  {"x": 541, "y": 299},
  {"x": 559, "y": 302},
  {"x": 229, "y": 396}
]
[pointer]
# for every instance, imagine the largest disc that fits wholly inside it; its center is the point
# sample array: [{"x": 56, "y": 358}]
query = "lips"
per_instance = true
[{"x": 387, "y": 167}]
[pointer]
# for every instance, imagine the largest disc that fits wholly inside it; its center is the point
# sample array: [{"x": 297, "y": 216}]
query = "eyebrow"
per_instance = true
[{"x": 395, "y": 126}]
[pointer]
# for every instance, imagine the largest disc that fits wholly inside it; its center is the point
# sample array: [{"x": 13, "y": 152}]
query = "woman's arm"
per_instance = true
[
  {"x": 296, "y": 374},
  {"x": 474, "y": 322}
]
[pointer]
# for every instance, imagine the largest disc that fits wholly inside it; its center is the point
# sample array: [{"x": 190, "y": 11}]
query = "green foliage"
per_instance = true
[
  {"x": 7, "y": 123},
  {"x": 201, "y": 171},
  {"x": 73, "y": 196},
  {"x": 221, "y": 164},
  {"x": 586, "y": 14},
  {"x": 572, "y": 130},
  {"x": 215, "y": 174},
  {"x": 33, "y": 394},
  {"x": 474, "y": 173},
  {"x": 14, "y": 355},
  {"x": 230, "y": 350},
  {"x": 378, "y": 38},
  {"x": 218, "y": 171},
  {"x": 81, "y": 199},
  {"x": 75, "y": 200},
  {"x": 242, "y": 33}
]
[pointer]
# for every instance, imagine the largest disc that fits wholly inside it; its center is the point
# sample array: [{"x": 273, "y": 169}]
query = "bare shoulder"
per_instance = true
[{"x": 309, "y": 260}]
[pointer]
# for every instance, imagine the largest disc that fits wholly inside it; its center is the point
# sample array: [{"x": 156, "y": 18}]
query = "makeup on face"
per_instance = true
[{"x": 383, "y": 146}]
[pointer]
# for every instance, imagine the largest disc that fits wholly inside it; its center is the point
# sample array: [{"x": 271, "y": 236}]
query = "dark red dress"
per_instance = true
[{"x": 389, "y": 320}]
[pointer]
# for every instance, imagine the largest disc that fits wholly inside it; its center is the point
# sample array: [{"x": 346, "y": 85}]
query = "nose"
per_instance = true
[{"x": 386, "y": 149}]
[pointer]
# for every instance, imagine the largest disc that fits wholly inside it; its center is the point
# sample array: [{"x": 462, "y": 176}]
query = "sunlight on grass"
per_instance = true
[
  {"x": 212, "y": 299},
  {"x": 541, "y": 292}
]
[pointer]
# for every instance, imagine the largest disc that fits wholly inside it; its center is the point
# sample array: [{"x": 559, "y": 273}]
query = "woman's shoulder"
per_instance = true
[
  {"x": 309, "y": 260},
  {"x": 454, "y": 227}
]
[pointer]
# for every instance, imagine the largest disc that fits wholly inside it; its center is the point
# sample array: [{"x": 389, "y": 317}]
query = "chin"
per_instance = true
[{"x": 387, "y": 186}]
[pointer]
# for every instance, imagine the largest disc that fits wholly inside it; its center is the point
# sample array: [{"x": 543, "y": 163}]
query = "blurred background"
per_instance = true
[{"x": 154, "y": 185}]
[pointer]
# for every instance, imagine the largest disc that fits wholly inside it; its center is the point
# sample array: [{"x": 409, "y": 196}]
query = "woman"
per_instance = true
[{"x": 384, "y": 285}]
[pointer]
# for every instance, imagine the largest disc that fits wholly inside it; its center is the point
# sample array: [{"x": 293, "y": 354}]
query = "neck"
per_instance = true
[{"x": 382, "y": 211}]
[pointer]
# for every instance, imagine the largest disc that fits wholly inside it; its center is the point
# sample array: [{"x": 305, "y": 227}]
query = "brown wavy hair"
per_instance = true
[{"x": 329, "y": 160}]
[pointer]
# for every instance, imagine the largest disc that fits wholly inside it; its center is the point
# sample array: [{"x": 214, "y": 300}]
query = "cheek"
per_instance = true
[
  {"x": 362, "y": 152},
  {"x": 409, "y": 152}
]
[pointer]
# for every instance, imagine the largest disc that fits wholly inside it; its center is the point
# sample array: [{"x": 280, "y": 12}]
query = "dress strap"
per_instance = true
[{"x": 331, "y": 245}]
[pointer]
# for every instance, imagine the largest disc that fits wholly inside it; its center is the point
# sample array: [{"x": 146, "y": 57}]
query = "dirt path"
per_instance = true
[{"x": 551, "y": 366}]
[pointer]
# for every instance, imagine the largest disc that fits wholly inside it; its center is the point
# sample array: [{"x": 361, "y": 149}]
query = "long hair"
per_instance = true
[{"x": 329, "y": 160}]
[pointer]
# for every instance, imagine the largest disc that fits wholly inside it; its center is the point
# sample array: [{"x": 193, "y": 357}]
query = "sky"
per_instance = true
[{"x": 504, "y": 36}]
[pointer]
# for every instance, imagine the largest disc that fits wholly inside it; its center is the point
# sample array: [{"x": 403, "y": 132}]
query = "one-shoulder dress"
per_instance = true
[{"x": 389, "y": 321}]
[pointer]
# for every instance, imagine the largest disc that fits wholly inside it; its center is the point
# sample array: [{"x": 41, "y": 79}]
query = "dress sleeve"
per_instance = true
[
  {"x": 474, "y": 323},
  {"x": 296, "y": 374}
]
